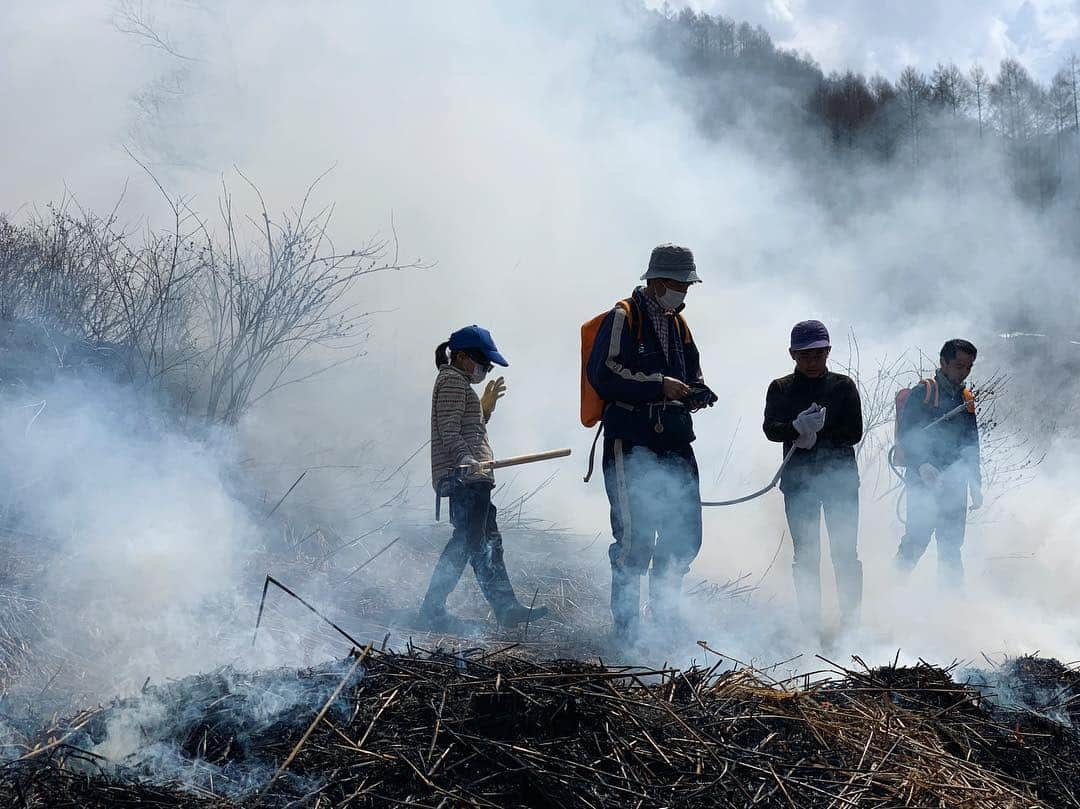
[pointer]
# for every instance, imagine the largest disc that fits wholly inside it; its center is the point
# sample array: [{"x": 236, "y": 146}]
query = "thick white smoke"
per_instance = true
[{"x": 538, "y": 155}]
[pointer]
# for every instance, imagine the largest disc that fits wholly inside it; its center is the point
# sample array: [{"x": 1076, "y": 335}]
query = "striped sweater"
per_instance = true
[{"x": 457, "y": 425}]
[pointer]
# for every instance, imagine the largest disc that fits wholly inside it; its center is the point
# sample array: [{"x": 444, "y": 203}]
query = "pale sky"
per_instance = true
[{"x": 873, "y": 37}]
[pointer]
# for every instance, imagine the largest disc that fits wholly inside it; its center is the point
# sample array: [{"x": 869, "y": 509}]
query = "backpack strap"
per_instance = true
[
  {"x": 682, "y": 328},
  {"x": 931, "y": 392},
  {"x": 592, "y": 452},
  {"x": 628, "y": 306}
]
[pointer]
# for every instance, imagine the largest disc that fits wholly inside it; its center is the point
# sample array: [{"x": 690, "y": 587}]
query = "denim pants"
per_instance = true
[{"x": 476, "y": 540}]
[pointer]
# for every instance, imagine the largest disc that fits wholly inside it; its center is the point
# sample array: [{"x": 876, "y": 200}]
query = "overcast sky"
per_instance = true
[{"x": 885, "y": 37}]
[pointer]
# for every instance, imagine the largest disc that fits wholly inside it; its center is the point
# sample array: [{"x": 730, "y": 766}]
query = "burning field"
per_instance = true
[
  {"x": 263, "y": 267},
  {"x": 509, "y": 719},
  {"x": 490, "y": 728}
]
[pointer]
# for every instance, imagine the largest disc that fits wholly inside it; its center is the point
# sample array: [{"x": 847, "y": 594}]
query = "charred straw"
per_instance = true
[{"x": 445, "y": 728}]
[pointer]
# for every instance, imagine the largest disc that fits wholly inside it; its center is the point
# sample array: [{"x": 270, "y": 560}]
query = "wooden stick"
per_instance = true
[{"x": 519, "y": 460}]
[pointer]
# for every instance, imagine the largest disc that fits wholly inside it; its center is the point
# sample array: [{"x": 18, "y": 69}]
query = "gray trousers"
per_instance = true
[
  {"x": 804, "y": 506},
  {"x": 940, "y": 512}
]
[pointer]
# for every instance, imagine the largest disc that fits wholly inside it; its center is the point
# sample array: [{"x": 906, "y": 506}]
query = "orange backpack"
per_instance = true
[
  {"x": 930, "y": 392},
  {"x": 592, "y": 406}
]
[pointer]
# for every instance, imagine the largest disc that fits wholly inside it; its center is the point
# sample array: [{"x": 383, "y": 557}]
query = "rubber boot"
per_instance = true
[
  {"x": 665, "y": 597},
  {"x": 905, "y": 560},
  {"x": 625, "y": 603},
  {"x": 518, "y": 613}
]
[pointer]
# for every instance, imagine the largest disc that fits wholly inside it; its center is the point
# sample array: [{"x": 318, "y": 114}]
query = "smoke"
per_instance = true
[
  {"x": 211, "y": 731},
  {"x": 139, "y": 537},
  {"x": 537, "y": 153}
]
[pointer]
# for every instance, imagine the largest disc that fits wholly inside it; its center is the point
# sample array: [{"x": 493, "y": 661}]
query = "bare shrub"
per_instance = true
[
  {"x": 17, "y": 252},
  {"x": 214, "y": 317},
  {"x": 265, "y": 306}
]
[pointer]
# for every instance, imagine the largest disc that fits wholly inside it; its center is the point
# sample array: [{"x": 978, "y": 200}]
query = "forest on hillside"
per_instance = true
[{"x": 949, "y": 120}]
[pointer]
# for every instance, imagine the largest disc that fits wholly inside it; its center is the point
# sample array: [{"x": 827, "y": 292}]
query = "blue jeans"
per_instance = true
[{"x": 476, "y": 540}]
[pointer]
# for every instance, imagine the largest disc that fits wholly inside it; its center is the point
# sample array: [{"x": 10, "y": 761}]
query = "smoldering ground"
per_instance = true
[{"x": 538, "y": 153}]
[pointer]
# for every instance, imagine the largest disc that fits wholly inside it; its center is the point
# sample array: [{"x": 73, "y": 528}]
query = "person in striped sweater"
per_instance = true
[{"x": 461, "y": 470}]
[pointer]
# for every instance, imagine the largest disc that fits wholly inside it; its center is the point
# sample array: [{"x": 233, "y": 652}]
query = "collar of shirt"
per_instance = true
[
  {"x": 653, "y": 305},
  {"x": 662, "y": 322},
  {"x": 947, "y": 386}
]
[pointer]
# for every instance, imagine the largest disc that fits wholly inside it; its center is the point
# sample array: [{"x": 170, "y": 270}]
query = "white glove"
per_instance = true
[
  {"x": 930, "y": 474},
  {"x": 470, "y": 468},
  {"x": 806, "y": 440},
  {"x": 810, "y": 421}
]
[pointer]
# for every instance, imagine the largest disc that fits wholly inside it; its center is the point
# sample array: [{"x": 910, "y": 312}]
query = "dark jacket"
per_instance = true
[
  {"x": 834, "y": 452},
  {"x": 627, "y": 367},
  {"x": 953, "y": 443}
]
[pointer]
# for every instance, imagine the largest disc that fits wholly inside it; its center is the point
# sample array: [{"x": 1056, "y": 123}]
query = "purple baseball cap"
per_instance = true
[{"x": 808, "y": 335}]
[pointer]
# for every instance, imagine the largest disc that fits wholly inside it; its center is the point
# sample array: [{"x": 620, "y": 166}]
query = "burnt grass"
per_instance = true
[{"x": 433, "y": 728}]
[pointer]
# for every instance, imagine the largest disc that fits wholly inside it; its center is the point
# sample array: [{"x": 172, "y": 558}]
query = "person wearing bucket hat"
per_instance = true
[
  {"x": 819, "y": 412},
  {"x": 670, "y": 262},
  {"x": 460, "y": 470},
  {"x": 645, "y": 367}
]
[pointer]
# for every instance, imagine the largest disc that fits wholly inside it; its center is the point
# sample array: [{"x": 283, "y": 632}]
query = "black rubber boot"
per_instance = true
[
  {"x": 625, "y": 603},
  {"x": 435, "y": 618},
  {"x": 520, "y": 614},
  {"x": 665, "y": 597}
]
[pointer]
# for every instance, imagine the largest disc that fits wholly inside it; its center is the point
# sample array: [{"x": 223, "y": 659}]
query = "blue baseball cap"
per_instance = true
[{"x": 478, "y": 339}]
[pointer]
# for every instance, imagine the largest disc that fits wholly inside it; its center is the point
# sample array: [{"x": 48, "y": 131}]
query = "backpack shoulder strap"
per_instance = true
[
  {"x": 682, "y": 328},
  {"x": 592, "y": 452},
  {"x": 931, "y": 395},
  {"x": 628, "y": 306}
]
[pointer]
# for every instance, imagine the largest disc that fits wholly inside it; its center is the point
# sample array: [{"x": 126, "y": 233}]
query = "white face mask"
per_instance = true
[
  {"x": 671, "y": 299},
  {"x": 479, "y": 373}
]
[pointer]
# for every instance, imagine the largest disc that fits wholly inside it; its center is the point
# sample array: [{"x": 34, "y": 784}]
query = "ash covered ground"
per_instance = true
[{"x": 547, "y": 715}]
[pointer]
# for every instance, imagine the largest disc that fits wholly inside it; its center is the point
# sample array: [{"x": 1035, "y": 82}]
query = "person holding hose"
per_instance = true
[
  {"x": 819, "y": 413},
  {"x": 942, "y": 456},
  {"x": 461, "y": 470},
  {"x": 645, "y": 367}
]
